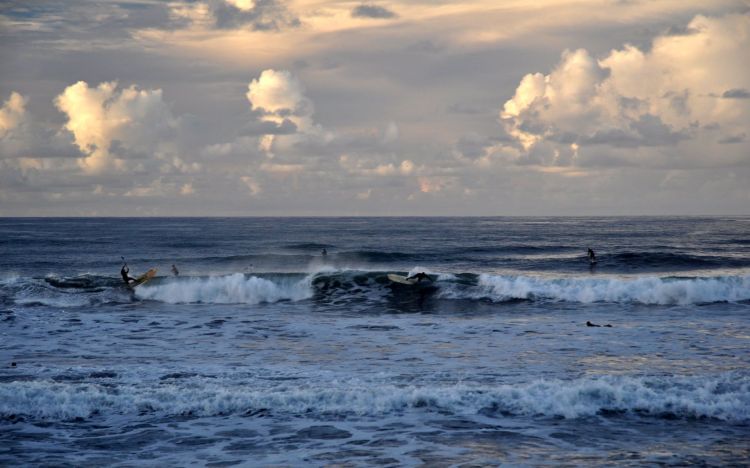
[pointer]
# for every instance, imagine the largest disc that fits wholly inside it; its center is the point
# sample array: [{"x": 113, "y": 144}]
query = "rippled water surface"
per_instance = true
[{"x": 264, "y": 352}]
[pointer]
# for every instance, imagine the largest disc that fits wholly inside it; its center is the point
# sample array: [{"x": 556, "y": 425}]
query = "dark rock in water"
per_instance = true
[{"x": 323, "y": 433}]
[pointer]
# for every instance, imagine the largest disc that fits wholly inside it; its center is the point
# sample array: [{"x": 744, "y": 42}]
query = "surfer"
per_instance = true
[
  {"x": 589, "y": 324},
  {"x": 324, "y": 252},
  {"x": 124, "y": 273},
  {"x": 592, "y": 256},
  {"x": 419, "y": 277},
  {"x": 175, "y": 271}
]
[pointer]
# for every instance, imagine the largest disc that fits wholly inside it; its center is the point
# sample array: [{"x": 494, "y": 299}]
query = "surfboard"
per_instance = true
[
  {"x": 401, "y": 279},
  {"x": 143, "y": 278}
]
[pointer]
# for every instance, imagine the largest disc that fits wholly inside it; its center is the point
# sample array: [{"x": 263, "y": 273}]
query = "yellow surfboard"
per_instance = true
[{"x": 143, "y": 278}]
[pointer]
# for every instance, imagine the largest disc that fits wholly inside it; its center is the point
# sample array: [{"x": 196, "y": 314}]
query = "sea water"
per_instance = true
[{"x": 265, "y": 352}]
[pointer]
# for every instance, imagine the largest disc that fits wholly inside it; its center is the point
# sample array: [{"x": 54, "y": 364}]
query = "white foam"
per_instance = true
[
  {"x": 230, "y": 289},
  {"x": 726, "y": 397},
  {"x": 643, "y": 290}
]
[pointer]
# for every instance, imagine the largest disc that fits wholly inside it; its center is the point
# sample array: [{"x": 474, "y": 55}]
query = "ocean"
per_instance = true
[{"x": 265, "y": 352}]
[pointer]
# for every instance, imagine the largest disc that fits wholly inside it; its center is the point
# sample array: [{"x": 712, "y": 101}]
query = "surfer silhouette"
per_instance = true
[
  {"x": 589, "y": 324},
  {"x": 419, "y": 277},
  {"x": 175, "y": 271},
  {"x": 125, "y": 276},
  {"x": 592, "y": 256},
  {"x": 324, "y": 252}
]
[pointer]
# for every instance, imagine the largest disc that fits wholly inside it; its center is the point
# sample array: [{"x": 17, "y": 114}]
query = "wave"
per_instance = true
[
  {"x": 356, "y": 285},
  {"x": 725, "y": 397},
  {"x": 643, "y": 290},
  {"x": 231, "y": 289}
]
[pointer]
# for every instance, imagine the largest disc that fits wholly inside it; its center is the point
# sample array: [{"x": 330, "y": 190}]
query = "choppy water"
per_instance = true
[{"x": 262, "y": 352}]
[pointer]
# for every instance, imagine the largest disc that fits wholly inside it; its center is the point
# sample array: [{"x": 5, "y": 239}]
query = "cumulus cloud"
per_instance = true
[
  {"x": 636, "y": 99},
  {"x": 372, "y": 11},
  {"x": 12, "y": 113},
  {"x": 363, "y": 167},
  {"x": 280, "y": 99},
  {"x": 110, "y": 125}
]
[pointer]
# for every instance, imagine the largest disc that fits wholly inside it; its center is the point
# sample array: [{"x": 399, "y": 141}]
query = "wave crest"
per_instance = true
[
  {"x": 231, "y": 289},
  {"x": 643, "y": 290},
  {"x": 725, "y": 397}
]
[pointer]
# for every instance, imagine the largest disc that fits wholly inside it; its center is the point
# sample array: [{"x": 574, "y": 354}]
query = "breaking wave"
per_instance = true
[
  {"x": 231, "y": 289},
  {"x": 356, "y": 285},
  {"x": 643, "y": 290},
  {"x": 726, "y": 397}
]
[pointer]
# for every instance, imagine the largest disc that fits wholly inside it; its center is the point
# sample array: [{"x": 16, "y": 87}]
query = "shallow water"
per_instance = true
[{"x": 264, "y": 352}]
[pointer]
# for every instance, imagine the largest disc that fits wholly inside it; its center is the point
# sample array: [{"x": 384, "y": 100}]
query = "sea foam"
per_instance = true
[
  {"x": 231, "y": 289},
  {"x": 724, "y": 397},
  {"x": 642, "y": 290}
]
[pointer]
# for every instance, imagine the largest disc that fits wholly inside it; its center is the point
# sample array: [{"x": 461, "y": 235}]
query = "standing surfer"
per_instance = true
[
  {"x": 175, "y": 271},
  {"x": 124, "y": 273},
  {"x": 592, "y": 256}
]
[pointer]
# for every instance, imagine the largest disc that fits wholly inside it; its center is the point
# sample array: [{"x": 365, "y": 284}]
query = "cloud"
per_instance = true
[
  {"x": 736, "y": 93},
  {"x": 363, "y": 167},
  {"x": 279, "y": 97},
  {"x": 22, "y": 137},
  {"x": 372, "y": 11},
  {"x": 636, "y": 99},
  {"x": 110, "y": 125},
  {"x": 259, "y": 15},
  {"x": 12, "y": 113}
]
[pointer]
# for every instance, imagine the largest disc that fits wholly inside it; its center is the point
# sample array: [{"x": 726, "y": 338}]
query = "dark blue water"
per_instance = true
[{"x": 262, "y": 351}]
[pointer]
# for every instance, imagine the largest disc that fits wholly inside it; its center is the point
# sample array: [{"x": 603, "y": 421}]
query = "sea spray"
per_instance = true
[{"x": 231, "y": 289}]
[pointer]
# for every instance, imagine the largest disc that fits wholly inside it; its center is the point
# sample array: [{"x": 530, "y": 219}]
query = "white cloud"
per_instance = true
[
  {"x": 279, "y": 96},
  {"x": 244, "y": 5},
  {"x": 637, "y": 99},
  {"x": 12, "y": 113},
  {"x": 110, "y": 124}
]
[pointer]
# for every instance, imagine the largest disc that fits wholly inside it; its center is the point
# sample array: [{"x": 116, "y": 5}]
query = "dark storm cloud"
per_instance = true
[
  {"x": 648, "y": 130},
  {"x": 736, "y": 93},
  {"x": 372, "y": 11},
  {"x": 728, "y": 140},
  {"x": 266, "y": 127}
]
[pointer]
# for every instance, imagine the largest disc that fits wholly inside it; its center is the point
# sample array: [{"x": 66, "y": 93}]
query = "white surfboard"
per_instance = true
[{"x": 401, "y": 279}]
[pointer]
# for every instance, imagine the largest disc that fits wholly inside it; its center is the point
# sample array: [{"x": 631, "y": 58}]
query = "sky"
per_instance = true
[{"x": 383, "y": 108}]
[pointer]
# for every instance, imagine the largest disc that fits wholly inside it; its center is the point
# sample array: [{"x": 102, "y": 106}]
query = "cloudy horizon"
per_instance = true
[{"x": 337, "y": 108}]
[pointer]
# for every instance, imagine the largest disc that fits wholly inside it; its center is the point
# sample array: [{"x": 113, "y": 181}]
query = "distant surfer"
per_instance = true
[
  {"x": 175, "y": 271},
  {"x": 324, "y": 252},
  {"x": 589, "y": 324},
  {"x": 592, "y": 256},
  {"x": 419, "y": 277},
  {"x": 125, "y": 276}
]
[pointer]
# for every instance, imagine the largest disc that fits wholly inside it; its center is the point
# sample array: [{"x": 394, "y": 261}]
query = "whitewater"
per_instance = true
[{"x": 263, "y": 351}]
